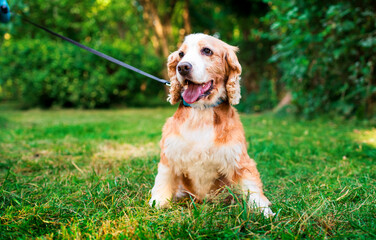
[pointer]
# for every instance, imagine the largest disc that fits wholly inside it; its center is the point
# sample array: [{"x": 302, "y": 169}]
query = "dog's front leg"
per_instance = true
[
  {"x": 251, "y": 185},
  {"x": 164, "y": 187},
  {"x": 256, "y": 196}
]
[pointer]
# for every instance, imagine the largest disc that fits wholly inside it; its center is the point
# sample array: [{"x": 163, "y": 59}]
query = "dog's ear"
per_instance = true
[
  {"x": 175, "y": 88},
  {"x": 233, "y": 72}
]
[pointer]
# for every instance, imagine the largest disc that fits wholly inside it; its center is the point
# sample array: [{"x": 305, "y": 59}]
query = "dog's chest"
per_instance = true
[{"x": 195, "y": 154}]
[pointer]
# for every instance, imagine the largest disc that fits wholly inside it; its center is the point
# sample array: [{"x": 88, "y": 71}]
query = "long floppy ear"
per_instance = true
[
  {"x": 234, "y": 71},
  {"x": 175, "y": 88}
]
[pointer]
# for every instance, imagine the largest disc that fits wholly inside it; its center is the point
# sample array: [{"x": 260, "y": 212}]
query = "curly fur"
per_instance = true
[
  {"x": 234, "y": 71},
  {"x": 176, "y": 87}
]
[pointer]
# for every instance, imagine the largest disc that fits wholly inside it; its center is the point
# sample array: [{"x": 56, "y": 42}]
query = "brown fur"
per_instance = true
[
  {"x": 224, "y": 69},
  {"x": 228, "y": 129}
]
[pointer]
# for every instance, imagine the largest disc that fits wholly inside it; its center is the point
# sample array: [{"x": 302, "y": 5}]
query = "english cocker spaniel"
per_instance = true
[{"x": 203, "y": 146}]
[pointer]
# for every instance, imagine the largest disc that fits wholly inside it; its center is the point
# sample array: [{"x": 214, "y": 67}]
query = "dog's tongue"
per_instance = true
[{"x": 193, "y": 92}]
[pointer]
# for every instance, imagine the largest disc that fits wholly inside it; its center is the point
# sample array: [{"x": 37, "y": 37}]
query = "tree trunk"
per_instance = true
[
  {"x": 186, "y": 17},
  {"x": 151, "y": 15},
  {"x": 285, "y": 101},
  {"x": 160, "y": 33}
]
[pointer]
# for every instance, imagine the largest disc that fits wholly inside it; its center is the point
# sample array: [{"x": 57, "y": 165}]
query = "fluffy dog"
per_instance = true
[{"x": 203, "y": 146}]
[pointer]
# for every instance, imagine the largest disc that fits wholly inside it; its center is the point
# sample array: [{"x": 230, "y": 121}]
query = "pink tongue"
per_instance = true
[{"x": 191, "y": 94}]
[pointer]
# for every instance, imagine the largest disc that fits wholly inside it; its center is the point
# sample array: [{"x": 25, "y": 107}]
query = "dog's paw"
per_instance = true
[
  {"x": 159, "y": 202},
  {"x": 257, "y": 202},
  {"x": 267, "y": 212}
]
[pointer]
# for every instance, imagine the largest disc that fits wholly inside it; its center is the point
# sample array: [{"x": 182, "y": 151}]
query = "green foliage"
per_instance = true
[
  {"x": 323, "y": 52},
  {"x": 326, "y": 53},
  {"x": 47, "y": 73},
  {"x": 71, "y": 174},
  {"x": 85, "y": 20},
  {"x": 264, "y": 98}
]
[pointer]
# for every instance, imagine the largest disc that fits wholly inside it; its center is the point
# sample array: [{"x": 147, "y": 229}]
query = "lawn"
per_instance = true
[{"x": 71, "y": 174}]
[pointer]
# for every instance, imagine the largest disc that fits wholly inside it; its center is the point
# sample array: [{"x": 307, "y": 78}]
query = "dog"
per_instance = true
[{"x": 203, "y": 147}]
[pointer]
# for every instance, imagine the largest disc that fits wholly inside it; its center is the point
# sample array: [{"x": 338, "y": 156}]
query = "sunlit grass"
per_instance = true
[
  {"x": 87, "y": 174},
  {"x": 365, "y": 136}
]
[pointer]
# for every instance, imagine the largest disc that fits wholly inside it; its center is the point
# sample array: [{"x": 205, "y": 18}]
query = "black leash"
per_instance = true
[{"x": 100, "y": 54}]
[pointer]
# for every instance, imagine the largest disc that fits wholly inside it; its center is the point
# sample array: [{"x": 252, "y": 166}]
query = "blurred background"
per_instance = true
[{"x": 299, "y": 57}]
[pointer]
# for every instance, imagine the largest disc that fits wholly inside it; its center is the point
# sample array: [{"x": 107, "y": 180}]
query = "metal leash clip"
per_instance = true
[{"x": 4, "y": 11}]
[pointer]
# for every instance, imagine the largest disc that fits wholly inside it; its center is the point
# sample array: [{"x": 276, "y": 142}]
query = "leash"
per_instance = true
[
  {"x": 5, "y": 17},
  {"x": 100, "y": 54}
]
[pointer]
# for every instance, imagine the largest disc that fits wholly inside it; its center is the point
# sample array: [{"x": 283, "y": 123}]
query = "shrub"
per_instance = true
[
  {"x": 47, "y": 73},
  {"x": 264, "y": 99},
  {"x": 327, "y": 54}
]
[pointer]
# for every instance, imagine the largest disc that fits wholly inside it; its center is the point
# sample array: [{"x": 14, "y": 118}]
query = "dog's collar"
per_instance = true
[{"x": 219, "y": 102}]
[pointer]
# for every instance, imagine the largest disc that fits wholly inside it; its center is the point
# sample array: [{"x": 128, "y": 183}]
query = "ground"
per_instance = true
[{"x": 70, "y": 174}]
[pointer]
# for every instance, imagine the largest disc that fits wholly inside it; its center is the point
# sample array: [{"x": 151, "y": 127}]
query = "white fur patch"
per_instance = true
[
  {"x": 194, "y": 153},
  {"x": 163, "y": 190},
  {"x": 194, "y": 57},
  {"x": 255, "y": 200}
]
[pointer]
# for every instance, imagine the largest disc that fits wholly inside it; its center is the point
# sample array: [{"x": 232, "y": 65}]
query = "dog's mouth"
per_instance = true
[{"x": 195, "y": 92}]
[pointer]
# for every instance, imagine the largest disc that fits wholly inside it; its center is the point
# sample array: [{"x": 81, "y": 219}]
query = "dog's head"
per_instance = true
[{"x": 204, "y": 71}]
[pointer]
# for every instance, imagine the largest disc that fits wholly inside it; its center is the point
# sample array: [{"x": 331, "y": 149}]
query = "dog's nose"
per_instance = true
[{"x": 184, "y": 68}]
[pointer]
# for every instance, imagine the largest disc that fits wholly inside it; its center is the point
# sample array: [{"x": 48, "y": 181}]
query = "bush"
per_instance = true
[
  {"x": 264, "y": 99},
  {"x": 47, "y": 73},
  {"x": 327, "y": 54}
]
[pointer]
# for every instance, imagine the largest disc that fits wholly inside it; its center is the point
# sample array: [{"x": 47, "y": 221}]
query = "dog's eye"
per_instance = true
[
  {"x": 181, "y": 54},
  {"x": 207, "y": 51}
]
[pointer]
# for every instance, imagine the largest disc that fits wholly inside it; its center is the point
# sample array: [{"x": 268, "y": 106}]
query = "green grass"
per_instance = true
[{"x": 70, "y": 174}]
